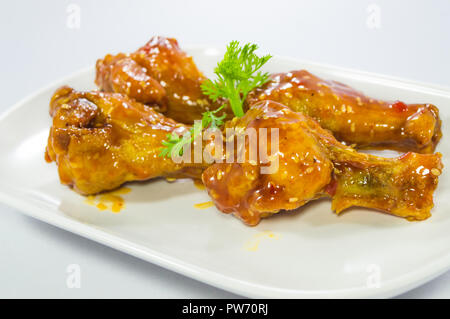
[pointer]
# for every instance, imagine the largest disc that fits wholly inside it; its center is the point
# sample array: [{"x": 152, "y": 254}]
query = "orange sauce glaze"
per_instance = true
[{"x": 111, "y": 200}]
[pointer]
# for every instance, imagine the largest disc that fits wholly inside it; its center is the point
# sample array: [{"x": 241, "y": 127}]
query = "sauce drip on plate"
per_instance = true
[{"x": 111, "y": 200}]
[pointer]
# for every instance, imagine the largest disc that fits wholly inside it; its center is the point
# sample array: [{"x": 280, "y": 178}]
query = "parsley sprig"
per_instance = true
[
  {"x": 174, "y": 143},
  {"x": 237, "y": 74}
]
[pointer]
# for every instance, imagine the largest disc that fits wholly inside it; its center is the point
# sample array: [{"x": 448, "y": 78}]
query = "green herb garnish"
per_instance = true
[
  {"x": 174, "y": 143},
  {"x": 237, "y": 74}
]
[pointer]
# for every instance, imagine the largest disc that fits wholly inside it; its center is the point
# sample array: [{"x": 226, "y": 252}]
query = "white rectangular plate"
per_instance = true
[{"x": 307, "y": 253}]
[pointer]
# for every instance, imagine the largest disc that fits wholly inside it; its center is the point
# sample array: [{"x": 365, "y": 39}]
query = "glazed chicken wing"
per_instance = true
[
  {"x": 102, "y": 140},
  {"x": 353, "y": 117},
  {"x": 158, "y": 73},
  {"x": 313, "y": 164}
]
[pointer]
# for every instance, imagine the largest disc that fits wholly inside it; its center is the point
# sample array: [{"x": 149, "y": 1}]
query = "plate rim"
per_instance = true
[{"x": 389, "y": 288}]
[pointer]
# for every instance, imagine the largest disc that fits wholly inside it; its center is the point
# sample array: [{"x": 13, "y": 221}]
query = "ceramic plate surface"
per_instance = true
[{"x": 307, "y": 253}]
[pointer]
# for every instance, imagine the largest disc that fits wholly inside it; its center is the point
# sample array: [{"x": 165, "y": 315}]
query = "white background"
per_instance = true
[{"x": 37, "y": 47}]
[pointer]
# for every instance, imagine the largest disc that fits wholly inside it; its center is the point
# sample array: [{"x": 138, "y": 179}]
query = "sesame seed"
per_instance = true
[{"x": 435, "y": 172}]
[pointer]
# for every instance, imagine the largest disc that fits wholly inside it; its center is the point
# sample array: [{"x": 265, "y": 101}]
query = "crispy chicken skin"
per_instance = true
[
  {"x": 158, "y": 73},
  {"x": 353, "y": 117},
  {"x": 102, "y": 140},
  {"x": 312, "y": 164}
]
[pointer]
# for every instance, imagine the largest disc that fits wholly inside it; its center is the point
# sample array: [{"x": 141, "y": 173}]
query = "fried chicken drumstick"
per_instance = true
[
  {"x": 353, "y": 117},
  {"x": 313, "y": 164},
  {"x": 162, "y": 75},
  {"x": 102, "y": 140},
  {"x": 159, "y": 73}
]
